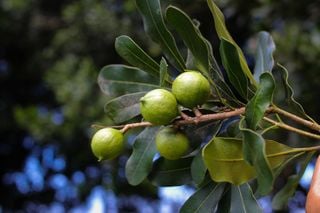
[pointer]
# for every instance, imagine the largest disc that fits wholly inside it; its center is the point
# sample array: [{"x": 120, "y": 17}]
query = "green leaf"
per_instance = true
[
  {"x": 116, "y": 80},
  {"x": 225, "y": 201},
  {"x": 280, "y": 200},
  {"x": 124, "y": 108},
  {"x": 163, "y": 72},
  {"x": 156, "y": 28},
  {"x": 224, "y": 159},
  {"x": 140, "y": 162},
  {"x": 198, "y": 168},
  {"x": 289, "y": 100},
  {"x": 231, "y": 62},
  {"x": 205, "y": 199},
  {"x": 191, "y": 36},
  {"x": 258, "y": 105},
  {"x": 243, "y": 200},
  {"x": 171, "y": 172},
  {"x": 264, "y": 54},
  {"x": 223, "y": 33},
  {"x": 133, "y": 54},
  {"x": 254, "y": 152}
]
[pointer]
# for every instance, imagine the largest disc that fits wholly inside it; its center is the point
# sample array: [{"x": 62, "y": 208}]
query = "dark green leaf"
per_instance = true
[
  {"x": 243, "y": 200},
  {"x": 280, "y": 200},
  {"x": 156, "y": 28},
  {"x": 224, "y": 159},
  {"x": 133, "y": 54},
  {"x": 258, "y": 105},
  {"x": 231, "y": 62},
  {"x": 163, "y": 72},
  {"x": 290, "y": 102},
  {"x": 223, "y": 33},
  {"x": 254, "y": 152},
  {"x": 140, "y": 162},
  {"x": 198, "y": 168},
  {"x": 225, "y": 201},
  {"x": 191, "y": 36},
  {"x": 264, "y": 54},
  {"x": 205, "y": 199},
  {"x": 171, "y": 172},
  {"x": 116, "y": 80},
  {"x": 124, "y": 108}
]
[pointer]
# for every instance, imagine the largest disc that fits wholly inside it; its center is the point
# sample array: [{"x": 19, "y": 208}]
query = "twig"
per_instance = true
[{"x": 292, "y": 129}]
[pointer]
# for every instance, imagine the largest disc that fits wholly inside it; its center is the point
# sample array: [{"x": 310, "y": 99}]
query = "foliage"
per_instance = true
[{"x": 236, "y": 162}]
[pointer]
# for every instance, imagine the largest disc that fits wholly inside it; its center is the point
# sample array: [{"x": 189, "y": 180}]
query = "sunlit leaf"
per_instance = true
[
  {"x": 223, "y": 33},
  {"x": 140, "y": 162},
  {"x": 258, "y": 105},
  {"x": 124, "y": 107},
  {"x": 231, "y": 62},
  {"x": 156, "y": 28},
  {"x": 163, "y": 72},
  {"x": 132, "y": 53},
  {"x": 243, "y": 200},
  {"x": 116, "y": 80},
  {"x": 205, "y": 199},
  {"x": 264, "y": 54},
  {"x": 171, "y": 172},
  {"x": 280, "y": 200},
  {"x": 224, "y": 159}
]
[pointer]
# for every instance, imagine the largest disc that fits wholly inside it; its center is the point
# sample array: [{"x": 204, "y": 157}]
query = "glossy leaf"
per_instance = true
[
  {"x": 124, "y": 107},
  {"x": 243, "y": 200},
  {"x": 191, "y": 36},
  {"x": 163, "y": 72},
  {"x": 132, "y": 53},
  {"x": 139, "y": 164},
  {"x": 154, "y": 25},
  {"x": 231, "y": 62},
  {"x": 205, "y": 199},
  {"x": 171, "y": 172},
  {"x": 223, "y": 33},
  {"x": 264, "y": 54},
  {"x": 116, "y": 80},
  {"x": 224, "y": 159},
  {"x": 289, "y": 100},
  {"x": 254, "y": 152},
  {"x": 280, "y": 200},
  {"x": 258, "y": 105},
  {"x": 198, "y": 168}
]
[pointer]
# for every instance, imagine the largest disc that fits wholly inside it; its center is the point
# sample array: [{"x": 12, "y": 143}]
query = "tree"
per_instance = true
[{"x": 241, "y": 160}]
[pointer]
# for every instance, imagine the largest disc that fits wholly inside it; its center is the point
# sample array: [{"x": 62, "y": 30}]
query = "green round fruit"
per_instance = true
[
  {"x": 171, "y": 143},
  {"x": 159, "y": 107},
  {"x": 191, "y": 89},
  {"x": 107, "y": 143}
]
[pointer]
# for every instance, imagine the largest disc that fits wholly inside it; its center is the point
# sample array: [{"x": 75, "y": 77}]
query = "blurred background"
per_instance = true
[{"x": 50, "y": 56}]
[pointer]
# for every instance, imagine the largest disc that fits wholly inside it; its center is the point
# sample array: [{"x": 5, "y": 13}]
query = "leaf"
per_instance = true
[
  {"x": 171, "y": 172},
  {"x": 154, "y": 25},
  {"x": 198, "y": 169},
  {"x": 225, "y": 201},
  {"x": 191, "y": 36},
  {"x": 224, "y": 159},
  {"x": 124, "y": 108},
  {"x": 283, "y": 84},
  {"x": 116, "y": 80},
  {"x": 258, "y": 105},
  {"x": 231, "y": 63},
  {"x": 264, "y": 54},
  {"x": 163, "y": 72},
  {"x": 139, "y": 164},
  {"x": 280, "y": 200},
  {"x": 254, "y": 152},
  {"x": 205, "y": 199},
  {"x": 243, "y": 200},
  {"x": 224, "y": 34},
  {"x": 133, "y": 54}
]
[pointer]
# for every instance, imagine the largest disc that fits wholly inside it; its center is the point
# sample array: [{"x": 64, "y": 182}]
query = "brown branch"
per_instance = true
[{"x": 309, "y": 124}]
